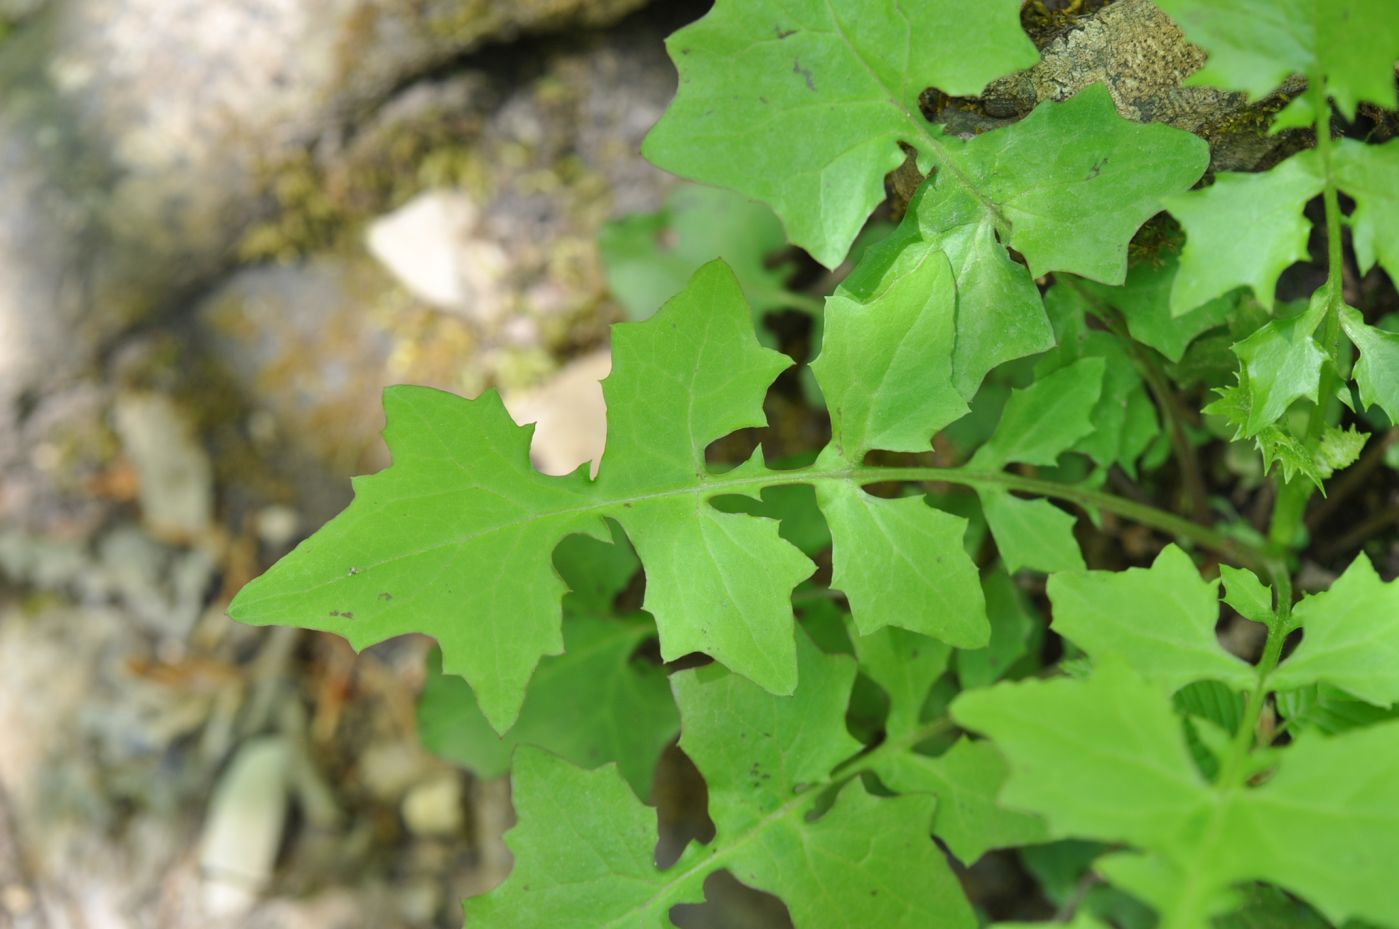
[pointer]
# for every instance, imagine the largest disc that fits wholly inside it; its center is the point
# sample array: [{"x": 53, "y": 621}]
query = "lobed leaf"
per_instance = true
[
  {"x": 885, "y": 366},
  {"x": 1031, "y": 533},
  {"x": 903, "y": 563},
  {"x": 1159, "y": 620},
  {"x": 1350, "y": 638},
  {"x": 1244, "y": 230},
  {"x": 1377, "y": 369},
  {"x": 1255, "y": 45},
  {"x": 628, "y": 716},
  {"x": 1104, "y": 758},
  {"x": 583, "y": 845},
  {"x": 815, "y": 98},
  {"x": 424, "y": 544},
  {"x": 1042, "y": 421},
  {"x": 1368, "y": 174},
  {"x": 456, "y": 538},
  {"x": 1067, "y": 187},
  {"x": 966, "y": 779}
]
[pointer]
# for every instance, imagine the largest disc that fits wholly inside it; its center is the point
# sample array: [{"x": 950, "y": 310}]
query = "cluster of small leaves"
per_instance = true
[{"x": 1002, "y": 317}]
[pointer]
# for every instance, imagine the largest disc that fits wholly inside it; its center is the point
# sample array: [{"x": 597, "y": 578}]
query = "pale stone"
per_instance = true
[
  {"x": 174, "y": 475},
  {"x": 434, "y": 808},
  {"x": 243, "y": 828},
  {"x": 431, "y": 247},
  {"x": 570, "y": 414}
]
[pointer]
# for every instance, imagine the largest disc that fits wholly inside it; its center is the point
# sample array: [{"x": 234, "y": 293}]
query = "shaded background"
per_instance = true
[{"x": 224, "y": 228}]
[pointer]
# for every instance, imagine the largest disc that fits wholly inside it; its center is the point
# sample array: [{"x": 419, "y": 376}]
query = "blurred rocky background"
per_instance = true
[{"x": 224, "y": 228}]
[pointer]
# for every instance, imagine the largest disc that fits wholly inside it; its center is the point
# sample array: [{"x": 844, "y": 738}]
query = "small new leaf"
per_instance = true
[
  {"x": 1377, "y": 370},
  {"x": 1283, "y": 364}
]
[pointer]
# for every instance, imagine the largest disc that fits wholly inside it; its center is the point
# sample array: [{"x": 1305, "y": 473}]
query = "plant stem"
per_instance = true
[
  {"x": 1293, "y": 495},
  {"x": 1232, "y": 770},
  {"x": 1169, "y": 523}
]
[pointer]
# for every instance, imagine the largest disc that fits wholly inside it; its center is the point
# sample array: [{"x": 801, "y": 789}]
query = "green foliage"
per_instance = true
[
  {"x": 1160, "y": 621},
  {"x": 816, "y": 97},
  {"x": 650, "y": 256},
  {"x": 869, "y": 686},
  {"x": 1114, "y": 766},
  {"x": 1255, "y": 45},
  {"x": 630, "y": 718},
  {"x": 866, "y": 858}
]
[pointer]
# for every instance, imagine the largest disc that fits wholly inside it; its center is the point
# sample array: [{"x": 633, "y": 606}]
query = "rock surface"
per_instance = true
[{"x": 137, "y": 137}]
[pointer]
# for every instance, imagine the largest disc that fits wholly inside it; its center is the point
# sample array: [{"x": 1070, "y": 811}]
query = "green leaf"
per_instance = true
[
  {"x": 1067, "y": 186},
  {"x": 1075, "y": 181},
  {"x": 1043, "y": 420},
  {"x": 1247, "y": 594},
  {"x": 584, "y": 853},
  {"x": 1243, "y": 231},
  {"x": 1255, "y": 45},
  {"x": 591, "y": 705},
  {"x": 419, "y": 549},
  {"x": 1339, "y": 449},
  {"x": 455, "y": 540},
  {"x": 1145, "y": 303},
  {"x": 1350, "y": 638},
  {"x": 802, "y": 105},
  {"x": 1104, "y": 758},
  {"x": 1326, "y": 825},
  {"x": 1124, "y": 418},
  {"x": 1377, "y": 370},
  {"x": 906, "y": 666},
  {"x": 966, "y": 779},
  {"x": 1101, "y": 758},
  {"x": 1283, "y": 364},
  {"x": 1160, "y": 620},
  {"x": 1013, "y": 628},
  {"x": 717, "y": 583},
  {"x": 1329, "y": 710},
  {"x": 1033, "y": 533},
  {"x": 583, "y": 846},
  {"x": 1368, "y": 173},
  {"x": 649, "y": 257},
  {"x": 902, "y": 563},
  {"x": 999, "y": 316},
  {"x": 885, "y": 367}
]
